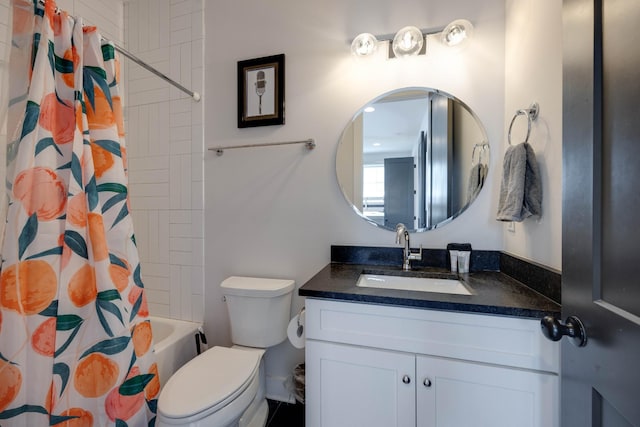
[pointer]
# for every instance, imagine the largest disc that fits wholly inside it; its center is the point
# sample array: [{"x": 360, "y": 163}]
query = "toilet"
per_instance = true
[{"x": 225, "y": 387}]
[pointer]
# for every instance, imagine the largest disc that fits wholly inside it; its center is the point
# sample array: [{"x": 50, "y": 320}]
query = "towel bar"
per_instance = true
[{"x": 309, "y": 143}]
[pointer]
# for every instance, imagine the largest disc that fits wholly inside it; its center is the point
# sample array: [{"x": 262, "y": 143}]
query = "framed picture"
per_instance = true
[{"x": 261, "y": 91}]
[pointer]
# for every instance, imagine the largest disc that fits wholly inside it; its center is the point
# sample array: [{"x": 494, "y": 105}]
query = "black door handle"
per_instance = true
[{"x": 553, "y": 329}]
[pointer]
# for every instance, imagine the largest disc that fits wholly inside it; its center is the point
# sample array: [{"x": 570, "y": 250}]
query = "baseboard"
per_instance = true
[{"x": 277, "y": 388}]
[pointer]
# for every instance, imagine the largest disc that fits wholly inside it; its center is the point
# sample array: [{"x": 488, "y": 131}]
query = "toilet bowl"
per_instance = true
[
  {"x": 225, "y": 387},
  {"x": 213, "y": 389}
]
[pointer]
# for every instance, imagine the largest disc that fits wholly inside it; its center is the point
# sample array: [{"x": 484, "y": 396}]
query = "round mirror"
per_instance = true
[{"x": 416, "y": 156}]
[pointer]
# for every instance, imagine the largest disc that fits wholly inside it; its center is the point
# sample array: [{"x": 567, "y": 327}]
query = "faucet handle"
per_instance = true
[{"x": 415, "y": 256}]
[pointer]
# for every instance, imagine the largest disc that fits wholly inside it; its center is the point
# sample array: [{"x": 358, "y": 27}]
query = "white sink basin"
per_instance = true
[{"x": 422, "y": 284}]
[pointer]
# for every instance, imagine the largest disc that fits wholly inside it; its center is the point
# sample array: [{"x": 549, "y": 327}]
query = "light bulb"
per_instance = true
[
  {"x": 364, "y": 45},
  {"x": 408, "y": 41},
  {"x": 457, "y": 32},
  {"x": 456, "y": 35}
]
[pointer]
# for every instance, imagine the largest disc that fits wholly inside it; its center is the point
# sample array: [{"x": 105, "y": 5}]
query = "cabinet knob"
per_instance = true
[
  {"x": 406, "y": 379},
  {"x": 427, "y": 382}
]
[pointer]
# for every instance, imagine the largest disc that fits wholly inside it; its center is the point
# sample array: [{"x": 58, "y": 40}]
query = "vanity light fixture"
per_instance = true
[{"x": 411, "y": 41}]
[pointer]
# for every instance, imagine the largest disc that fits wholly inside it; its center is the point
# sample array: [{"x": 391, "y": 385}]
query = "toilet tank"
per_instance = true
[{"x": 258, "y": 309}]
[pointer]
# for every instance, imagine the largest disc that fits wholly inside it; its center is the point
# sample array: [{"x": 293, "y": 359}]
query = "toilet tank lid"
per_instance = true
[{"x": 256, "y": 286}]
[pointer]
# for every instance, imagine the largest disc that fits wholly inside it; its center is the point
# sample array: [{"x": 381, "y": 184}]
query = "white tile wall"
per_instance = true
[
  {"x": 166, "y": 150},
  {"x": 107, "y": 15},
  {"x": 4, "y": 30},
  {"x": 4, "y": 58},
  {"x": 164, "y": 140}
]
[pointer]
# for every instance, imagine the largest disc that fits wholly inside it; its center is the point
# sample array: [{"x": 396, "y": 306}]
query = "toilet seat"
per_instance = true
[{"x": 209, "y": 383}]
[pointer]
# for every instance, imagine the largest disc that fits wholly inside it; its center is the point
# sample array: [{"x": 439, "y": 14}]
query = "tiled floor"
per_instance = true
[{"x": 285, "y": 414}]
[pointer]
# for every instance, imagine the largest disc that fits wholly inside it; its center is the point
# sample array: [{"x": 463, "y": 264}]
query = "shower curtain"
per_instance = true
[{"x": 75, "y": 338}]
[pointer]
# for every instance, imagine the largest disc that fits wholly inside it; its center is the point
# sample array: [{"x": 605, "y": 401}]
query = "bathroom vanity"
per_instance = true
[
  {"x": 382, "y": 357},
  {"x": 384, "y": 349}
]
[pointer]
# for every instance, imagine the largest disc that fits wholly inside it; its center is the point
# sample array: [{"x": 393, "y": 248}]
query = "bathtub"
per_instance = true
[{"x": 174, "y": 343}]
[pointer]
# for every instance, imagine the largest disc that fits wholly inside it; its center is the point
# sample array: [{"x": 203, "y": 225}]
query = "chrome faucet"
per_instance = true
[{"x": 407, "y": 255}]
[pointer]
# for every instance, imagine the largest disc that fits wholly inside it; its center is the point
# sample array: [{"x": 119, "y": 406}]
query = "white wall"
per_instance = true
[
  {"x": 534, "y": 73},
  {"x": 165, "y": 152},
  {"x": 275, "y": 212}
]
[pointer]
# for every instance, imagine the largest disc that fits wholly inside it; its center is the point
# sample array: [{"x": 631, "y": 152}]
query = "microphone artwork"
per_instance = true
[
  {"x": 261, "y": 85},
  {"x": 260, "y": 92}
]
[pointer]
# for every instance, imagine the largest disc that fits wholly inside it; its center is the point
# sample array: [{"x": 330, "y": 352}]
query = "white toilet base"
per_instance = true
[
  {"x": 225, "y": 417},
  {"x": 258, "y": 411},
  {"x": 259, "y": 418},
  {"x": 253, "y": 400}
]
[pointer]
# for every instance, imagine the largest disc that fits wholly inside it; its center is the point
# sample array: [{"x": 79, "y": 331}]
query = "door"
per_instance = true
[
  {"x": 453, "y": 393},
  {"x": 398, "y": 191},
  {"x": 421, "y": 181},
  {"x": 601, "y": 205},
  {"x": 350, "y": 386},
  {"x": 441, "y": 158}
]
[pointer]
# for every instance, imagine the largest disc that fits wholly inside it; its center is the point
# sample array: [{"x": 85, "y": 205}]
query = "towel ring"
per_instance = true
[
  {"x": 531, "y": 113},
  {"x": 480, "y": 149}
]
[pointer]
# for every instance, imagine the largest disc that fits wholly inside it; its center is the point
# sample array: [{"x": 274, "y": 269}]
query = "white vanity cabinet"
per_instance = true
[
  {"x": 358, "y": 386},
  {"x": 375, "y": 365}
]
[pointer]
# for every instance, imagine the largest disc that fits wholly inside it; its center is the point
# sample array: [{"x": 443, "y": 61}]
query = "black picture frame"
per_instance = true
[{"x": 261, "y": 91}]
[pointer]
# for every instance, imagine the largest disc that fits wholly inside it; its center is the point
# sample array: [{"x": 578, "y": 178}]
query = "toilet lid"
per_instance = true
[{"x": 210, "y": 380}]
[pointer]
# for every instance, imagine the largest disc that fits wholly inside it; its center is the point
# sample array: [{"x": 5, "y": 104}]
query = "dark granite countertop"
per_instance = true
[{"x": 493, "y": 292}]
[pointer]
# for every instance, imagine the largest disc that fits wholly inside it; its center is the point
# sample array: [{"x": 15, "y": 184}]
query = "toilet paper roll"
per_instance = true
[{"x": 295, "y": 330}]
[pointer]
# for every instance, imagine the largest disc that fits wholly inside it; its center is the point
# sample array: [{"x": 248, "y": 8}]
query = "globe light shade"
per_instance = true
[
  {"x": 457, "y": 33},
  {"x": 364, "y": 45},
  {"x": 407, "y": 42}
]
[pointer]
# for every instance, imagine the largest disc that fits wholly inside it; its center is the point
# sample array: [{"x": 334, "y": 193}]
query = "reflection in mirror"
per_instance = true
[{"x": 417, "y": 156}]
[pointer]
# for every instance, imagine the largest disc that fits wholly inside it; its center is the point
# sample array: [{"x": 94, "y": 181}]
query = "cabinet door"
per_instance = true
[
  {"x": 461, "y": 394},
  {"x": 353, "y": 386}
]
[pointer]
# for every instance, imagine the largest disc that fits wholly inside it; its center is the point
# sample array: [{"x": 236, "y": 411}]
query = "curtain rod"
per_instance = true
[
  {"x": 140, "y": 62},
  {"x": 195, "y": 95}
]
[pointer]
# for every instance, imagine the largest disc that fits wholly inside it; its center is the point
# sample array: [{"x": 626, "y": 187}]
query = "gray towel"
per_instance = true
[
  {"x": 476, "y": 181},
  {"x": 521, "y": 189}
]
